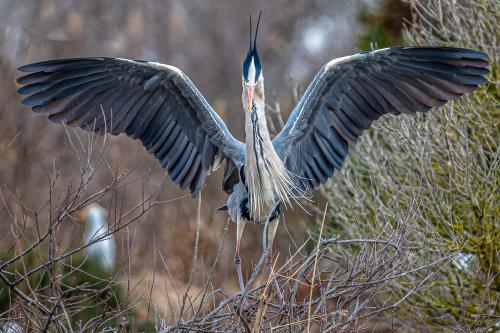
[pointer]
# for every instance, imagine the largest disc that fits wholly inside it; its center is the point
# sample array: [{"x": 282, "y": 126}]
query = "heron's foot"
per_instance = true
[
  {"x": 278, "y": 292},
  {"x": 269, "y": 264}
]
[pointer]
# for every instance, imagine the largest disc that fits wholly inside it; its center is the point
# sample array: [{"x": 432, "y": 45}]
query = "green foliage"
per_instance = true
[
  {"x": 383, "y": 24},
  {"x": 80, "y": 282},
  {"x": 441, "y": 172},
  {"x": 101, "y": 292},
  {"x": 146, "y": 327},
  {"x": 18, "y": 269}
]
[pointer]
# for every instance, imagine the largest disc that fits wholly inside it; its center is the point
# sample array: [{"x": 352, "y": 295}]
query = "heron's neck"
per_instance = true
[
  {"x": 265, "y": 173},
  {"x": 258, "y": 139}
]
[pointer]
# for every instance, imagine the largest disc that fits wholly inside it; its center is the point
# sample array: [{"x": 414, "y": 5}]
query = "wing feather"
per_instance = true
[
  {"x": 155, "y": 103},
  {"x": 349, "y": 93}
]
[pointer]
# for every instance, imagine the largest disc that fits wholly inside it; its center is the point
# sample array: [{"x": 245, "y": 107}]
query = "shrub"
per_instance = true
[{"x": 441, "y": 171}]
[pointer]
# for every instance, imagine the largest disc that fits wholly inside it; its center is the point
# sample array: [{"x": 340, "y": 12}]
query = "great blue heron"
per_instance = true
[{"x": 159, "y": 105}]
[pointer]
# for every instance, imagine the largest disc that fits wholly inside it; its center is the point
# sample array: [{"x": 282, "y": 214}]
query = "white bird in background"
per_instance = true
[
  {"x": 103, "y": 251},
  {"x": 11, "y": 327}
]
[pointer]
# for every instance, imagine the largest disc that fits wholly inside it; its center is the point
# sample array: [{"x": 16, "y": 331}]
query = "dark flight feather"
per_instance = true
[{"x": 154, "y": 103}]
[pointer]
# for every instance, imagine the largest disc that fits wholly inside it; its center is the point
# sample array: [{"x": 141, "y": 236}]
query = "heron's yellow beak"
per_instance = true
[{"x": 250, "y": 90}]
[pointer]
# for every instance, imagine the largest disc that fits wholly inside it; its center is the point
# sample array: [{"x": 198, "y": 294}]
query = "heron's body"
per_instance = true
[
  {"x": 159, "y": 105},
  {"x": 266, "y": 177}
]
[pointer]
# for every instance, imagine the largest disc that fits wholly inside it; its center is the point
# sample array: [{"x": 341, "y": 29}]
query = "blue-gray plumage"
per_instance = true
[
  {"x": 349, "y": 93},
  {"x": 159, "y": 105},
  {"x": 155, "y": 103}
]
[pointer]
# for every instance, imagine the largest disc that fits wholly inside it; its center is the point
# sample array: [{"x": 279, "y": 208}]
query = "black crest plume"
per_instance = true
[
  {"x": 256, "y": 32},
  {"x": 252, "y": 52}
]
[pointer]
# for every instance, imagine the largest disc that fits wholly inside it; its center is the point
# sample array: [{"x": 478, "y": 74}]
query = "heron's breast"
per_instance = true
[{"x": 267, "y": 184}]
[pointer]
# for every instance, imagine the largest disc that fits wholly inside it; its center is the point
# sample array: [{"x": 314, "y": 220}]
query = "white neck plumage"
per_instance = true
[{"x": 268, "y": 181}]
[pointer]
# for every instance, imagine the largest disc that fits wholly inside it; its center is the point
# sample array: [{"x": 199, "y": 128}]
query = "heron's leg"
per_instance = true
[
  {"x": 240, "y": 225},
  {"x": 274, "y": 217}
]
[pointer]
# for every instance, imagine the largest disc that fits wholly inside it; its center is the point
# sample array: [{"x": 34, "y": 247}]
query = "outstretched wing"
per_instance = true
[
  {"x": 155, "y": 103},
  {"x": 349, "y": 93}
]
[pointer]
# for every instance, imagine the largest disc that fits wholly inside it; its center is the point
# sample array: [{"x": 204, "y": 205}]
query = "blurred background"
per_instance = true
[{"x": 208, "y": 41}]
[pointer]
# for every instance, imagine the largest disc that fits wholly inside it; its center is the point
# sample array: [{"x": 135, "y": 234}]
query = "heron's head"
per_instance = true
[
  {"x": 253, "y": 81},
  {"x": 95, "y": 218}
]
